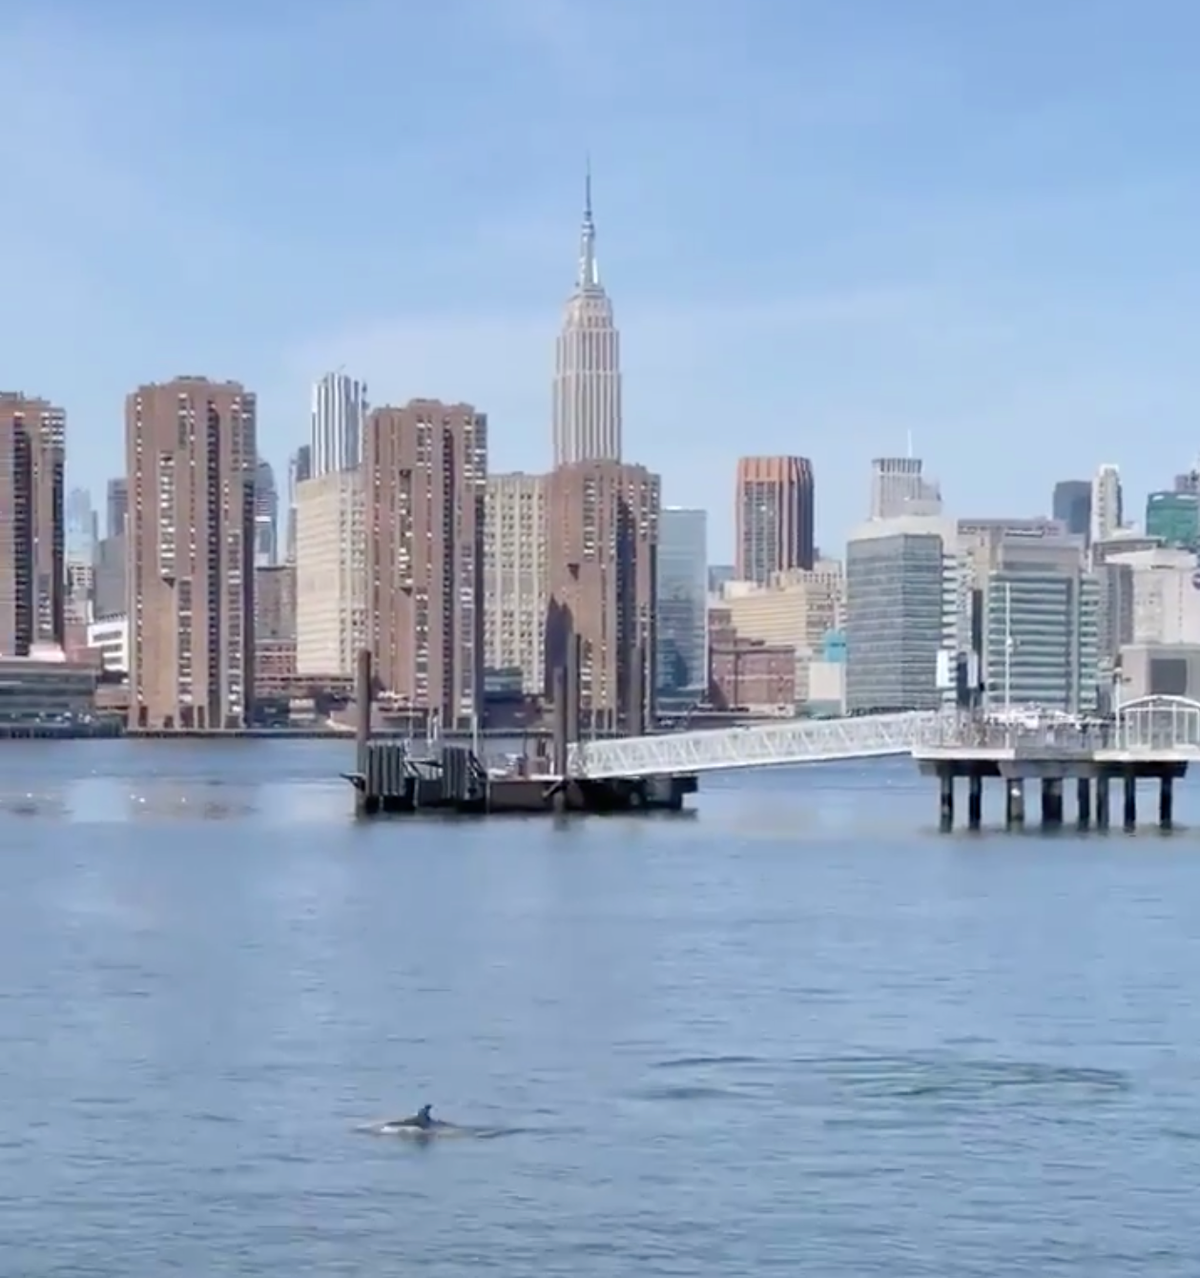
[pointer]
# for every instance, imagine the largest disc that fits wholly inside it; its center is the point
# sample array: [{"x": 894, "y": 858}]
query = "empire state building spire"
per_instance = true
[{"x": 587, "y": 371}]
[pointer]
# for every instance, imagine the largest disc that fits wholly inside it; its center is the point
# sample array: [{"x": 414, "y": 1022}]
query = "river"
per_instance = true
[{"x": 795, "y": 1031}]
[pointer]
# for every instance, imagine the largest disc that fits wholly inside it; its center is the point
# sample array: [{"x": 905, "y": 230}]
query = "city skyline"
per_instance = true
[{"x": 1021, "y": 276}]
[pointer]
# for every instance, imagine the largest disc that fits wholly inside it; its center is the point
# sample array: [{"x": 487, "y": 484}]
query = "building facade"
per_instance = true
[
  {"x": 515, "y": 575},
  {"x": 191, "y": 454},
  {"x": 1175, "y": 518},
  {"x": 32, "y": 525},
  {"x": 331, "y": 574},
  {"x": 899, "y": 487},
  {"x": 774, "y": 516},
  {"x": 1072, "y": 506},
  {"x": 682, "y": 606},
  {"x": 1108, "y": 514},
  {"x": 116, "y": 507},
  {"x": 901, "y": 611},
  {"x": 602, "y": 530},
  {"x": 339, "y": 413},
  {"x": 425, "y": 490},
  {"x": 1042, "y": 639},
  {"x": 587, "y": 364}
]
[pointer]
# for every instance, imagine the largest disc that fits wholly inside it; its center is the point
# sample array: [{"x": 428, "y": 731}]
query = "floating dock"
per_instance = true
[
  {"x": 409, "y": 778},
  {"x": 1088, "y": 759}
]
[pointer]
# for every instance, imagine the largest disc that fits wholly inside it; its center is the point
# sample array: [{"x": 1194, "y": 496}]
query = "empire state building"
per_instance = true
[{"x": 587, "y": 368}]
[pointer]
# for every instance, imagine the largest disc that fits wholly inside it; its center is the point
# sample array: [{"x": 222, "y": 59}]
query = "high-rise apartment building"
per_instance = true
[
  {"x": 425, "y": 479},
  {"x": 587, "y": 367},
  {"x": 515, "y": 568},
  {"x": 331, "y": 574},
  {"x": 32, "y": 524},
  {"x": 1107, "y": 508},
  {"x": 682, "y": 606},
  {"x": 339, "y": 410},
  {"x": 774, "y": 516},
  {"x": 191, "y": 455},
  {"x": 602, "y": 521},
  {"x": 1072, "y": 506},
  {"x": 899, "y": 487}
]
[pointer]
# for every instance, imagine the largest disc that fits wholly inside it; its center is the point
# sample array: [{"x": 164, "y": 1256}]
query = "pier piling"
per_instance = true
[
  {"x": 1166, "y": 802},
  {"x": 364, "y": 800},
  {"x": 1054, "y": 754},
  {"x": 1083, "y": 802}
]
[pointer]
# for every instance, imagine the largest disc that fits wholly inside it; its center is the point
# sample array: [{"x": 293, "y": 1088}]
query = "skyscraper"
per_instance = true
[
  {"x": 1072, "y": 506},
  {"x": 339, "y": 409},
  {"x": 32, "y": 524},
  {"x": 682, "y": 605},
  {"x": 515, "y": 576},
  {"x": 774, "y": 516},
  {"x": 1108, "y": 515},
  {"x": 602, "y": 549},
  {"x": 898, "y": 487},
  {"x": 424, "y": 489},
  {"x": 117, "y": 507},
  {"x": 191, "y": 456},
  {"x": 331, "y": 574},
  {"x": 266, "y": 515},
  {"x": 299, "y": 469},
  {"x": 587, "y": 368}
]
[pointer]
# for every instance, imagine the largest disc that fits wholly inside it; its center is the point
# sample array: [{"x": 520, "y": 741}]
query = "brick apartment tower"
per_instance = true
[
  {"x": 602, "y": 556},
  {"x": 32, "y": 524},
  {"x": 774, "y": 516},
  {"x": 425, "y": 483},
  {"x": 191, "y": 454}
]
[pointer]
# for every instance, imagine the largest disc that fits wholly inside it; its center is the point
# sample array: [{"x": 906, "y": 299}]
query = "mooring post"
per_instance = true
[
  {"x": 1014, "y": 802},
  {"x": 1130, "y": 801},
  {"x": 946, "y": 777},
  {"x": 1052, "y": 802},
  {"x": 974, "y": 801},
  {"x": 1083, "y": 802},
  {"x": 1102, "y": 801},
  {"x": 1166, "y": 801},
  {"x": 363, "y": 802}
]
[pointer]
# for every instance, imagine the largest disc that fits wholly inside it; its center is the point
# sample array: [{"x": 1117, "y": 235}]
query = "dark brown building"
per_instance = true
[
  {"x": 775, "y": 516},
  {"x": 32, "y": 568},
  {"x": 425, "y": 482},
  {"x": 191, "y": 453},
  {"x": 602, "y": 556}
]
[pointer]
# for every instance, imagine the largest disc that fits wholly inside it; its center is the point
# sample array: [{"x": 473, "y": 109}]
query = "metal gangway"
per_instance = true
[
  {"x": 789, "y": 741},
  {"x": 1145, "y": 726}
]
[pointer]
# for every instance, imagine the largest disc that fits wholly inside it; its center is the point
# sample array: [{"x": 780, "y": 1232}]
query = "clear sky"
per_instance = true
[{"x": 824, "y": 224}]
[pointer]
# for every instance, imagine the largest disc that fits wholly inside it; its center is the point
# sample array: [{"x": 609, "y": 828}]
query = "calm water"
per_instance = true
[{"x": 796, "y": 1033}]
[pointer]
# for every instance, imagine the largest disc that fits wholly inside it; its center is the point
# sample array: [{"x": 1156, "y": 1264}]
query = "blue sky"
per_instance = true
[{"x": 824, "y": 224}]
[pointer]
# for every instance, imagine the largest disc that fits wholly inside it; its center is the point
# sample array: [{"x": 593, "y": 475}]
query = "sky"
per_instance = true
[{"x": 827, "y": 226}]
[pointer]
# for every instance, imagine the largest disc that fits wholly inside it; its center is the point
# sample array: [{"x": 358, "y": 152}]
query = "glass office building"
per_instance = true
[
  {"x": 682, "y": 606},
  {"x": 896, "y": 619},
  {"x": 1042, "y": 639},
  {"x": 1175, "y": 517}
]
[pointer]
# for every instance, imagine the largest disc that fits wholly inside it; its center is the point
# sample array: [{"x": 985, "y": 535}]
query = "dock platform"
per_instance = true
[{"x": 1089, "y": 758}]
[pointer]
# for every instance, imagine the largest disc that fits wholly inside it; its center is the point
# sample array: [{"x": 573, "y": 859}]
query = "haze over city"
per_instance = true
[{"x": 824, "y": 226}]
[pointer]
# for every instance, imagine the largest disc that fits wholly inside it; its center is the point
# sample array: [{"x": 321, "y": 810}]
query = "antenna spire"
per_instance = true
[{"x": 589, "y": 270}]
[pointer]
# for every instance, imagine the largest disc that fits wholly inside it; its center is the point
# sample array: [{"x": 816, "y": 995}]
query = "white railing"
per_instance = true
[{"x": 771, "y": 745}]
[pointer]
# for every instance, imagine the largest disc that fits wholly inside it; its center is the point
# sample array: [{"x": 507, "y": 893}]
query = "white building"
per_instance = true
[
  {"x": 331, "y": 574},
  {"x": 110, "y": 637},
  {"x": 514, "y": 577},
  {"x": 1166, "y": 598},
  {"x": 1107, "y": 514},
  {"x": 339, "y": 410}
]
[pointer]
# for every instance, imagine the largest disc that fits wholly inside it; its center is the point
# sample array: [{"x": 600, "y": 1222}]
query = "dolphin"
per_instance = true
[{"x": 422, "y": 1126}]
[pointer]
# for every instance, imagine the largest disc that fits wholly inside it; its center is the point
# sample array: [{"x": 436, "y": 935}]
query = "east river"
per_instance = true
[{"x": 794, "y": 1032}]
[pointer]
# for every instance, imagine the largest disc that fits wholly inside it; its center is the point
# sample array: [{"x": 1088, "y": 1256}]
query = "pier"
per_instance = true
[
  {"x": 1152, "y": 740},
  {"x": 439, "y": 777}
]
